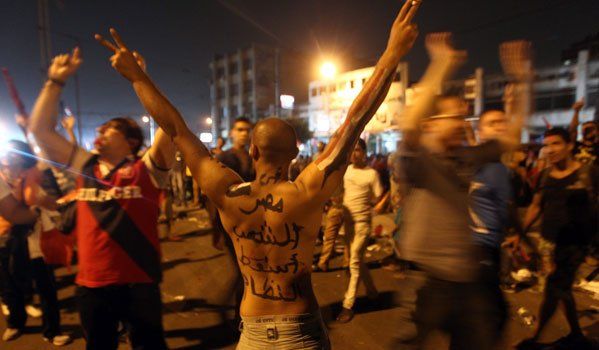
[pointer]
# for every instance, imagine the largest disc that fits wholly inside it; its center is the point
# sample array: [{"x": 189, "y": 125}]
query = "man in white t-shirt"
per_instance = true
[{"x": 362, "y": 189}]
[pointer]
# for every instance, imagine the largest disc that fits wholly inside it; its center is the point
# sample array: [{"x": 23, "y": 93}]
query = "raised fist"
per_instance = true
[
  {"x": 68, "y": 122},
  {"x": 516, "y": 59},
  {"x": 441, "y": 50},
  {"x": 129, "y": 64},
  {"x": 63, "y": 66},
  {"x": 577, "y": 106}
]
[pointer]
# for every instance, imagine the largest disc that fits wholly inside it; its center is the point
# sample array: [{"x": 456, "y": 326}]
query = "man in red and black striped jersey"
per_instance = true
[
  {"x": 273, "y": 222},
  {"x": 116, "y": 214}
]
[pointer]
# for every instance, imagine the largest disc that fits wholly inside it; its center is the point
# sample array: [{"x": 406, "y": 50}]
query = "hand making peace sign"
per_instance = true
[
  {"x": 404, "y": 32},
  {"x": 129, "y": 64}
]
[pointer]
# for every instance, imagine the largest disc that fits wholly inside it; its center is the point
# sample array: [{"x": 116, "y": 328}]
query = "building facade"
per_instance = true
[
  {"x": 250, "y": 81},
  {"x": 330, "y": 100},
  {"x": 555, "y": 91}
]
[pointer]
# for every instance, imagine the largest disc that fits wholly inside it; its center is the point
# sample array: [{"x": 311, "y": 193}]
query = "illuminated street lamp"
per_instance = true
[
  {"x": 328, "y": 70},
  {"x": 148, "y": 120},
  {"x": 208, "y": 121}
]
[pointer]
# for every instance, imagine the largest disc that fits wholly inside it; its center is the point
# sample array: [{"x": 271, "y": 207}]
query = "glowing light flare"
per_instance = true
[
  {"x": 328, "y": 70},
  {"x": 209, "y": 121},
  {"x": 4, "y": 146},
  {"x": 206, "y": 137},
  {"x": 323, "y": 123},
  {"x": 145, "y": 119},
  {"x": 287, "y": 101}
]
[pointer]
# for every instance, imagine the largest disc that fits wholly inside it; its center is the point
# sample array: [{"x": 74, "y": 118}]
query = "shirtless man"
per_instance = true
[{"x": 274, "y": 222}]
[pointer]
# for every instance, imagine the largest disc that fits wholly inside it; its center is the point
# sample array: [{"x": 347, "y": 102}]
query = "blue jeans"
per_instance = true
[{"x": 284, "y": 332}]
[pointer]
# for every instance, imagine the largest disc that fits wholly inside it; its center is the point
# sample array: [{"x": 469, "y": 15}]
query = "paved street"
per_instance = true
[{"x": 196, "y": 276}]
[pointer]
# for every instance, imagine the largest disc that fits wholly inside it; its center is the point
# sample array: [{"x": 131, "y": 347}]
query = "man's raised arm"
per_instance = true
[
  {"x": 42, "y": 122},
  {"x": 213, "y": 178},
  {"x": 516, "y": 59},
  {"x": 321, "y": 178},
  {"x": 573, "y": 127},
  {"x": 444, "y": 62}
]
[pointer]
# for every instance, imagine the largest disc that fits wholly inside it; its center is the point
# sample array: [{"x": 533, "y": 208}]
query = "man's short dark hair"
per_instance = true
[
  {"x": 129, "y": 128},
  {"x": 24, "y": 151},
  {"x": 557, "y": 131},
  {"x": 241, "y": 120},
  {"x": 362, "y": 144}
]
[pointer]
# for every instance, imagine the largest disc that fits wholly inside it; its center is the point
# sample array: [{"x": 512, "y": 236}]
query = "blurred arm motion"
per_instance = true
[
  {"x": 516, "y": 59},
  {"x": 444, "y": 62}
]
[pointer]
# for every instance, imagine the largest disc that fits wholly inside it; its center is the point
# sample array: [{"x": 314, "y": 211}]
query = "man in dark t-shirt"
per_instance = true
[
  {"x": 238, "y": 157},
  {"x": 566, "y": 196}
]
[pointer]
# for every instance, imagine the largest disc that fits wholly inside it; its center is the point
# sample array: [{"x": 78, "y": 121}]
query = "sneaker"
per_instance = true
[
  {"x": 59, "y": 340},
  {"x": 33, "y": 311},
  {"x": 5, "y": 310},
  {"x": 345, "y": 315},
  {"x": 11, "y": 334}
]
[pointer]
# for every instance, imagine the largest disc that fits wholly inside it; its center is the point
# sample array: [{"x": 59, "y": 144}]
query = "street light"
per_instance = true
[
  {"x": 328, "y": 70},
  {"x": 208, "y": 121},
  {"x": 148, "y": 120}
]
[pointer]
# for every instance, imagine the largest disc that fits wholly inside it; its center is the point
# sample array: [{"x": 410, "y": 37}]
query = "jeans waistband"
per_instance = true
[{"x": 281, "y": 318}]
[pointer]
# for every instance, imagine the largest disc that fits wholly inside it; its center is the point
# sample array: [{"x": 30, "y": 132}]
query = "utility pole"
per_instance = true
[
  {"x": 44, "y": 34},
  {"x": 277, "y": 82},
  {"x": 43, "y": 30}
]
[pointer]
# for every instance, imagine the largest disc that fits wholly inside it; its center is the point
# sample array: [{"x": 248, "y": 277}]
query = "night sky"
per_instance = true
[{"x": 179, "y": 38}]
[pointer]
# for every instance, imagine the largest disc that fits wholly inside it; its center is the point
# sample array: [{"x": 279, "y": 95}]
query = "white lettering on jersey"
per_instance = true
[{"x": 98, "y": 195}]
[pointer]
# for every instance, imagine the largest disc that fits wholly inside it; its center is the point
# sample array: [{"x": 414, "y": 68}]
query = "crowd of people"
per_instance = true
[{"x": 471, "y": 204}]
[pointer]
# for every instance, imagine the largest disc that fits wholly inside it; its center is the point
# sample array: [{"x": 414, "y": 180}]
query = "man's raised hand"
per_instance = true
[
  {"x": 404, "y": 32},
  {"x": 440, "y": 50},
  {"x": 578, "y": 105},
  {"x": 68, "y": 122},
  {"x": 516, "y": 59},
  {"x": 63, "y": 66},
  {"x": 128, "y": 63}
]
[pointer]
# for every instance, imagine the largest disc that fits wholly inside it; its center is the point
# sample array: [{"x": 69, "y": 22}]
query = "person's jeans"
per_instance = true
[
  {"x": 15, "y": 278},
  {"x": 472, "y": 313},
  {"x": 284, "y": 332},
  {"x": 356, "y": 240},
  {"x": 45, "y": 285},
  {"x": 333, "y": 222},
  {"x": 138, "y": 306}
]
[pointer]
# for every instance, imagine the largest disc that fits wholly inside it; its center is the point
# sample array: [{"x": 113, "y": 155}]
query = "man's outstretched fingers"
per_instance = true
[
  {"x": 117, "y": 39},
  {"x": 404, "y": 10},
  {"x": 107, "y": 44},
  {"x": 413, "y": 10}
]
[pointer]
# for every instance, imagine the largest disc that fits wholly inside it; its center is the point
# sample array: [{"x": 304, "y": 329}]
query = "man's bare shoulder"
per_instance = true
[{"x": 267, "y": 196}]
